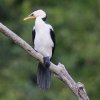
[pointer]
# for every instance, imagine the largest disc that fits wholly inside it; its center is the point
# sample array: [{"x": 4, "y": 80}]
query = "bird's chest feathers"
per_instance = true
[{"x": 43, "y": 39}]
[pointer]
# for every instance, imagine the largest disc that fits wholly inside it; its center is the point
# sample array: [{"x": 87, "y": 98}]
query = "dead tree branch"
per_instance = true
[{"x": 77, "y": 87}]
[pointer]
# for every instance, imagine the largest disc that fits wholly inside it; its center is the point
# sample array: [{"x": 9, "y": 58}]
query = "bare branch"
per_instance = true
[{"x": 77, "y": 88}]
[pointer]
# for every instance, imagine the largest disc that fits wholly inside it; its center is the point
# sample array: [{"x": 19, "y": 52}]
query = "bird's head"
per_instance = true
[{"x": 36, "y": 14}]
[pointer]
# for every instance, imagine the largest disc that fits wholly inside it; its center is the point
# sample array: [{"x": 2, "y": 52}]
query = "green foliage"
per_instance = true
[{"x": 77, "y": 26}]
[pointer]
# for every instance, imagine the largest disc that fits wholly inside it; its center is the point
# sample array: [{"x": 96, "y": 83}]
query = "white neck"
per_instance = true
[{"x": 39, "y": 23}]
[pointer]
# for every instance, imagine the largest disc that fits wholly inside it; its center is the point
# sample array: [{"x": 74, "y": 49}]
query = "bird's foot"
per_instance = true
[
  {"x": 36, "y": 50},
  {"x": 46, "y": 62}
]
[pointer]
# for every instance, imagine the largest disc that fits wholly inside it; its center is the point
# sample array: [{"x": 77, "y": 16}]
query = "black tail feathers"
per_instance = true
[{"x": 43, "y": 77}]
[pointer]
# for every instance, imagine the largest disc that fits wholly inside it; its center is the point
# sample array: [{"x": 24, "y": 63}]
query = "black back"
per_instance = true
[
  {"x": 33, "y": 36},
  {"x": 52, "y": 34}
]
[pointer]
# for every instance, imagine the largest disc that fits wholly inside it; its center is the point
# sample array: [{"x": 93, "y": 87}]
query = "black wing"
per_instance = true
[
  {"x": 52, "y": 34},
  {"x": 33, "y": 36}
]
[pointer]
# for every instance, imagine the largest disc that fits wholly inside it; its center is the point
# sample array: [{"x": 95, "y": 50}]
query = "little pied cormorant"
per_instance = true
[{"x": 44, "y": 42}]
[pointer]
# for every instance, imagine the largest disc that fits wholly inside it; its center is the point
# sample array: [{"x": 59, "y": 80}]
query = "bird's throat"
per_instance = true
[{"x": 39, "y": 23}]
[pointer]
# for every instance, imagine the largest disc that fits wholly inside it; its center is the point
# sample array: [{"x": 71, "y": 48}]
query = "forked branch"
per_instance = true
[{"x": 77, "y": 87}]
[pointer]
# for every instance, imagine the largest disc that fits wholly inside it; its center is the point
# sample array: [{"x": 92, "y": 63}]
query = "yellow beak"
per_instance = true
[{"x": 29, "y": 17}]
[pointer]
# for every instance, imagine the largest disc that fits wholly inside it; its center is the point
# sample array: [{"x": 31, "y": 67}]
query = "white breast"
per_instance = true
[{"x": 43, "y": 42}]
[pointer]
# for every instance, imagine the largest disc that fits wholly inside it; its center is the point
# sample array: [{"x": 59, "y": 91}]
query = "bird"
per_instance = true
[{"x": 43, "y": 37}]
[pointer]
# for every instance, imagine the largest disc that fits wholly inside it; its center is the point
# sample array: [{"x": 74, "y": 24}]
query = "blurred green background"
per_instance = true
[{"x": 77, "y": 28}]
